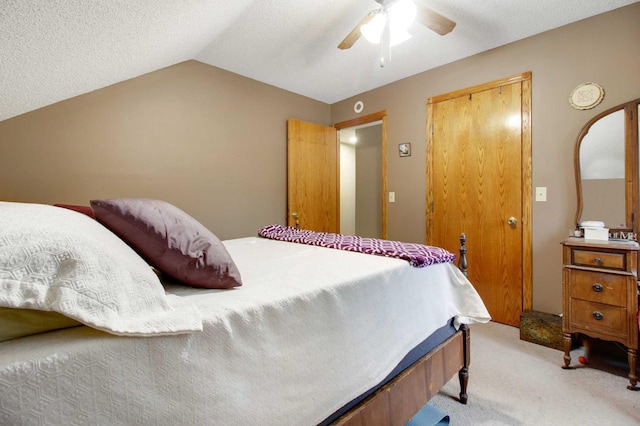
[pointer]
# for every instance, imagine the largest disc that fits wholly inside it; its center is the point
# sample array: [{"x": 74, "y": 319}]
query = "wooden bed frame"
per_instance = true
[{"x": 400, "y": 399}]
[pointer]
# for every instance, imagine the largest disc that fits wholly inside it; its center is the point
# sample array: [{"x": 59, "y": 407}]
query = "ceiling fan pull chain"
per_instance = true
[{"x": 385, "y": 45}]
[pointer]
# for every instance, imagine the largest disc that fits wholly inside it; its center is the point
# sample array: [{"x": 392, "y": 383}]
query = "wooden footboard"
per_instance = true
[{"x": 400, "y": 399}]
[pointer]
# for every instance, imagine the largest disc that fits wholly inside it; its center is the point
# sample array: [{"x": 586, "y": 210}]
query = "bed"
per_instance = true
[{"x": 284, "y": 333}]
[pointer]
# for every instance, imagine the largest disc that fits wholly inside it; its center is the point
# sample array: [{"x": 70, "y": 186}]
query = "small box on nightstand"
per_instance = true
[{"x": 601, "y": 234}]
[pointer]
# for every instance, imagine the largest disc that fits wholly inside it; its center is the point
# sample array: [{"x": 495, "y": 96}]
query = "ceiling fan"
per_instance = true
[{"x": 376, "y": 22}]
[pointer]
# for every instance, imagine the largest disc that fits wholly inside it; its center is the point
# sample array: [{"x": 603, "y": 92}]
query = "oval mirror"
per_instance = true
[
  {"x": 602, "y": 172},
  {"x": 606, "y": 165}
]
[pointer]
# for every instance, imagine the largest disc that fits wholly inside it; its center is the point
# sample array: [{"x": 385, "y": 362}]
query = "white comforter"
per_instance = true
[{"x": 310, "y": 329}]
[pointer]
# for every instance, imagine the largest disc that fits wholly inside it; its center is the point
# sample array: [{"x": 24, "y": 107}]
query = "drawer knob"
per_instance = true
[
  {"x": 597, "y": 287},
  {"x": 598, "y": 315},
  {"x": 597, "y": 260}
]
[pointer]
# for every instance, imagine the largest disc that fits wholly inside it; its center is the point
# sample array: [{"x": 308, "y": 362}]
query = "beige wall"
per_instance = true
[
  {"x": 209, "y": 141},
  {"x": 604, "y": 49}
]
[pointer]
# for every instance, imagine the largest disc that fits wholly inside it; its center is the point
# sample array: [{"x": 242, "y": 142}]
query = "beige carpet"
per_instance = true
[{"x": 513, "y": 382}]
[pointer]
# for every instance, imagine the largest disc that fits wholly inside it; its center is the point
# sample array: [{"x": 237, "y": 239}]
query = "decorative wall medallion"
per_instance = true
[{"x": 586, "y": 96}]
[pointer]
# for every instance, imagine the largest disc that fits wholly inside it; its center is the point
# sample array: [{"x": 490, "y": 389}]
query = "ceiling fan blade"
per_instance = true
[
  {"x": 433, "y": 20},
  {"x": 354, "y": 35}
]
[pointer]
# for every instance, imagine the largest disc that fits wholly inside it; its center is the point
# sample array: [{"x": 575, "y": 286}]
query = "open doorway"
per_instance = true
[
  {"x": 313, "y": 175},
  {"x": 363, "y": 176},
  {"x": 361, "y": 180}
]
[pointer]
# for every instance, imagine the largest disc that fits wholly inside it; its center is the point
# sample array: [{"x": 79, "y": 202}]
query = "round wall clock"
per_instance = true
[{"x": 586, "y": 96}]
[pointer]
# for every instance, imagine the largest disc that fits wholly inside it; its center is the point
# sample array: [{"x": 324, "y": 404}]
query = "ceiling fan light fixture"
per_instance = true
[
  {"x": 399, "y": 16},
  {"x": 376, "y": 25},
  {"x": 402, "y": 13},
  {"x": 398, "y": 35},
  {"x": 372, "y": 30}
]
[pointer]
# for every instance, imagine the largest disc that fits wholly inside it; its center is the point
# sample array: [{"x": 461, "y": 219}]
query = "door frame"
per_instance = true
[
  {"x": 365, "y": 119},
  {"x": 525, "y": 170}
]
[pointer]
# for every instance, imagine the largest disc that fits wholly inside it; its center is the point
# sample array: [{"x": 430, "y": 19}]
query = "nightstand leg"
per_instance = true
[
  {"x": 567, "y": 350},
  {"x": 633, "y": 379}
]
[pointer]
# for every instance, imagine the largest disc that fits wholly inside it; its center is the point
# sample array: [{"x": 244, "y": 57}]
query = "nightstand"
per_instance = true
[{"x": 600, "y": 295}]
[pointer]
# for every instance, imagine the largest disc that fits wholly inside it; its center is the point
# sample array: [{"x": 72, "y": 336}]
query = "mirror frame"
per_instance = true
[{"x": 632, "y": 196}]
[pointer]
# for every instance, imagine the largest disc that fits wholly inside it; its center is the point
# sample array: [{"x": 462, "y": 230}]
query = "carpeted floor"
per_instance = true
[{"x": 514, "y": 382}]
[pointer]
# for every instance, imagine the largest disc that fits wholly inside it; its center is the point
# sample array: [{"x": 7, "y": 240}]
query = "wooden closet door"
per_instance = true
[{"x": 475, "y": 186}]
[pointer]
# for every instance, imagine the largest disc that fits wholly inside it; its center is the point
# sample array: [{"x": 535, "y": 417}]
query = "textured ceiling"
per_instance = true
[{"x": 51, "y": 50}]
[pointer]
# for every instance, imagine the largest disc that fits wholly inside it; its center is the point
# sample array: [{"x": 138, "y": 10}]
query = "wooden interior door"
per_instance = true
[
  {"x": 477, "y": 185},
  {"x": 313, "y": 176}
]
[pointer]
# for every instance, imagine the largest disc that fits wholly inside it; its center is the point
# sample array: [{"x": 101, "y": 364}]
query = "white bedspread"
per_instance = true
[{"x": 310, "y": 329}]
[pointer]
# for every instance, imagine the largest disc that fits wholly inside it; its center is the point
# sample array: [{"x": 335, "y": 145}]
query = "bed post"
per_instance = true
[
  {"x": 463, "y": 374},
  {"x": 462, "y": 263}
]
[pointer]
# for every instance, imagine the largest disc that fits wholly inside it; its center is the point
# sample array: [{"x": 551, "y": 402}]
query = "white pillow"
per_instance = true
[{"x": 54, "y": 259}]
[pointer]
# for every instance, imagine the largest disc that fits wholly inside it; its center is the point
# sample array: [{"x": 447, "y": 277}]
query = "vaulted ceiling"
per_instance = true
[{"x": 51, "y": 50}]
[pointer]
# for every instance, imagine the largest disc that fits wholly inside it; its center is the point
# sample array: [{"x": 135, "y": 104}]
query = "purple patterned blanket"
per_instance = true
[{"x": 418, "y": 255}]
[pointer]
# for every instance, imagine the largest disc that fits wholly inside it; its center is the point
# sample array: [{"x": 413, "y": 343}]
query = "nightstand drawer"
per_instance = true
[
  {"x": 598, "y": 259},
  {"x": 599, "y": 287},
  {"x": 599, "y": 316}
]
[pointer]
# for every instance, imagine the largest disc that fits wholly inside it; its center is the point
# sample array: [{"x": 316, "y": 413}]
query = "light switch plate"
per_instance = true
[
  {"x": 541, "y": 193},
  {"x": 392, "y": 197}
]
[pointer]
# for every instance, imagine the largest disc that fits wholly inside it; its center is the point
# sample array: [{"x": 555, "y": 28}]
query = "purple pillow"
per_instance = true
[{"x": 170, "y": 240}]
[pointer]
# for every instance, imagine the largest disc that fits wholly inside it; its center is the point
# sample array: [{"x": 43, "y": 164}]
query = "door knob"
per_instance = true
[{"x": 512, "y": 221}]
